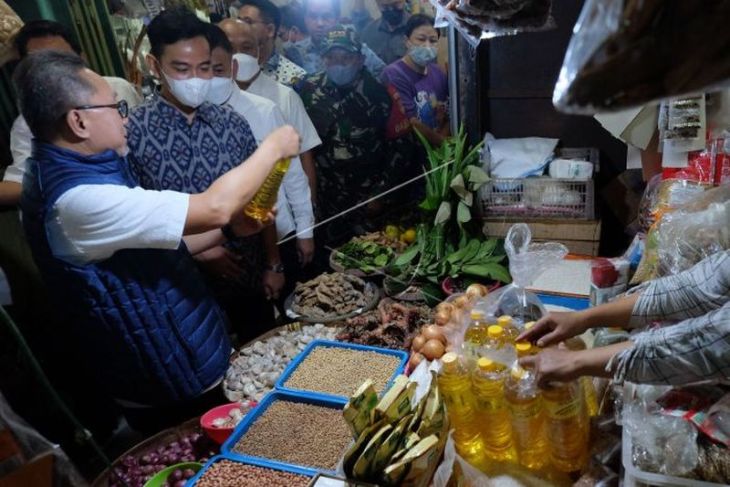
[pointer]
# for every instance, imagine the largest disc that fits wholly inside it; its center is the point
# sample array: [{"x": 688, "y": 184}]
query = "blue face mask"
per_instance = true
[
  {"x": 342, "y": 75},
  {"x": 422, "y": 55}
]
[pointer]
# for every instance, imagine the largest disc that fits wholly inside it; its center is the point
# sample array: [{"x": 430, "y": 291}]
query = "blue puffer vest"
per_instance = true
[{"x": 145, "y": 318}]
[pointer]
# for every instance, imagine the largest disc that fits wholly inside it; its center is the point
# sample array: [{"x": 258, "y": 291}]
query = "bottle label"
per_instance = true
[
  {"x": 526, "y": 411},
  {"x": 564, "y": 409}
]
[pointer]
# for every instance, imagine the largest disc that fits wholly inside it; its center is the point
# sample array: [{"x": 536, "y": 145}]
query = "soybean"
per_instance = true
[
  {"x": 226, "y": 473},
  {"x": 340, "y": 371},
  {"x": 298, "y": 433}
]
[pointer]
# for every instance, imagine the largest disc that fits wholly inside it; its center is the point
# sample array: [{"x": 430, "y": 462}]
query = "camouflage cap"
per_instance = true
[{"x": 343, "y": 37}]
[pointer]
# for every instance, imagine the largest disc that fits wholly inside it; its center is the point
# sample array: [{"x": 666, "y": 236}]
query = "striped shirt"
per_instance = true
[{"x": 695, "y": 346}]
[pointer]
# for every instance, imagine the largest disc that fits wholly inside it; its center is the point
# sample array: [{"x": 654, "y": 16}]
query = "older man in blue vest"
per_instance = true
[{"x": 114, "y": 255}]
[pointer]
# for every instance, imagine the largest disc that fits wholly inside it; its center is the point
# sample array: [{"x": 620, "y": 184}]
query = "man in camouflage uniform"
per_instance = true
[{"x": 349, "y": 109}]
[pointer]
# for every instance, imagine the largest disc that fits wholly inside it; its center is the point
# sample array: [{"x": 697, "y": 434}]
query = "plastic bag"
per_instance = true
[
  {"x": 32, "y": 445},
  {"x": 629, "y": 53},
  {"x": 468, "y": 475},
  {"x": 685, "y": 236},
  {"x": 661, "y": 444},
  {"x": 484, "y": 19},
  {"x": 527, "y": 261}
]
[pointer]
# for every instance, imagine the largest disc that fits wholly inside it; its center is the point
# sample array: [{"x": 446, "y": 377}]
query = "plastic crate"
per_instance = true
[
  {"x": 256, "y": 463},
  {"x": 543, "y": 197},
  {"x": 634, "y": 477},
  {"x": 253, "y": 416},
  {"x": 538, "y": 197},
  {"x": 280, "y": 384}
]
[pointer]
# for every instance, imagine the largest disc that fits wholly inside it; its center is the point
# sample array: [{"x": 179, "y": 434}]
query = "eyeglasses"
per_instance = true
[{"x": 122, "y": 107}]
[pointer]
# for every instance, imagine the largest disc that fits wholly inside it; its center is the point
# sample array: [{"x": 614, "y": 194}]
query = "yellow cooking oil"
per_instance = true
[
  {"x": 454, "y": 383},
  {"x": 589, "y": 396},
  {"x": 475, "y": 334},
  {"x": 511, "y": 330},
  {"x": 567, "y": 426},
  {"x": 265, "y": 198},
  {"x": 492, "y": 411},
  {"x": 496, "y": 337},
  {"x": 527, "y": 413}
]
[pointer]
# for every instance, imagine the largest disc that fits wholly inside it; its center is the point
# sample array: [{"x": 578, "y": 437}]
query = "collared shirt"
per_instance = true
[
  {"x": 698, "y": 346},
  {"x": 168, "y": 152},
  {"x": 294, "y": 201},
  {"x": 290, "y": 105},
  {"x": 21, "y": 136},
  {"x": 388, "y": 42},
  {"x": 283, "y": 70},
  {"x": 314, "y": 60}
]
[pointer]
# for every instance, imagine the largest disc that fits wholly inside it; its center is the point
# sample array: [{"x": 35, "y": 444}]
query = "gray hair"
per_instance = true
[{"x": 49, "y": 84}]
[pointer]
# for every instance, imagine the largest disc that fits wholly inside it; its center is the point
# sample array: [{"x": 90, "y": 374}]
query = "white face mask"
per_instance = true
[
  {"x": 248, "y": 67},
  {"x": 220, "y": 91},
  {"x": 190, "y": 92}
]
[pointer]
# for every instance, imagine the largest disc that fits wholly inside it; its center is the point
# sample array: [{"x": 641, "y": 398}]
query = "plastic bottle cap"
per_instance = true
[
  {"x": 529, "y": 325},
  {"x": 495, "y": 331},
  {"x": 484, "y": 363},
  {"x": 523, "y": 348},
  {"x": 504, "y": 321},
  {"x": 517, "y": 372},
  {"x": 450, "y": 358},
  {"x": 476, "y": 314}
]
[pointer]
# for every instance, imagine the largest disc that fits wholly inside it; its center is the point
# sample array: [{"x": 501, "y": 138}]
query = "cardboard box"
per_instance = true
[{"x": 581, "y": 237}]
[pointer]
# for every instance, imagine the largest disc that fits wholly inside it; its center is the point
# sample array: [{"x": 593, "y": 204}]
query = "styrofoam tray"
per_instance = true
[
  {"x": 256, "y": 463},
  {"x": 250, "y": 419},
  {"x": 634, "y": 477},
  {"x": 280, "y": 384}
]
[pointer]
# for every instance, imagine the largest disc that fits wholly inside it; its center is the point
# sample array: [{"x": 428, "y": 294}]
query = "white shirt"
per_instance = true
[
  {"x": 291, "y": 106},
  {"x": 21, "y": 136},
  {"x": 294, "y": 201},
  {"x": 91, "y": 222}
]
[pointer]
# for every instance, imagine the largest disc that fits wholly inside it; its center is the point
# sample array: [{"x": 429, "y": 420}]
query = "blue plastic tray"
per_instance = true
[
  {"x": 326, "y": 343},
  {"x": 252, "y": 461},
  {"x": 250, "y": 419}
]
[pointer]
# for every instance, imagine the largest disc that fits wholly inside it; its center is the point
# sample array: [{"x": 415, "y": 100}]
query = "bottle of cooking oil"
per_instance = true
[
  {"x": 586, "y": 383},
  {"x": 454, "y": 383},
  {"x": 496, "y": 338},
  {"x": 475, "y": 335},
  {"x": 527, "y": 414},
  {"x": 567, "y": 426},
  {"x": 510, "y": 328},
  {"x": 492, "y": 411},
  {"x": 265, "y": 198}
]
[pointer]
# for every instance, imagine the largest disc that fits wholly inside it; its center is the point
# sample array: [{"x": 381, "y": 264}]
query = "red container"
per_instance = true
[{"x": 220, "y": 435}]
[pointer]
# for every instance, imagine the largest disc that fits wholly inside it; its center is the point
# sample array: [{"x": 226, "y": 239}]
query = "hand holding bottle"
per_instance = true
[{"x": 554, "y": 328}]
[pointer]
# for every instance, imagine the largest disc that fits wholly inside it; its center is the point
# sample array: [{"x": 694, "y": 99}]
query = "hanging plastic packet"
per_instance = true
[
  {"x": 629, "y": 53},
  {"x": 479, "y": 19},
  {"x": 527, "y": 261}
]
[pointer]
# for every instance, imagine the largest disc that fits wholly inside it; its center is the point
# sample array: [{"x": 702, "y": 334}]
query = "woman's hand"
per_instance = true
[
  {"x": 553, "y": 365},
  {"x": 554, "y": 328}
]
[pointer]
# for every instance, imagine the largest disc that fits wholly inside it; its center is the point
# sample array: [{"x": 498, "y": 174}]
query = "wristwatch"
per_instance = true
[{"x": 278, "y": 268}]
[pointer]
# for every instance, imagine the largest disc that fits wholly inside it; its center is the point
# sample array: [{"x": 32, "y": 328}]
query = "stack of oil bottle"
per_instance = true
[{"x": 497, "y": 411}]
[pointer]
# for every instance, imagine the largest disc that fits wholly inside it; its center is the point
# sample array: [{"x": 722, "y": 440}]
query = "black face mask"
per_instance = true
[{"x": 393, "y": 16}]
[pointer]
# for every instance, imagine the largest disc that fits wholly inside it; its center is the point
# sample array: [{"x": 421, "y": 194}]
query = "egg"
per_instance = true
[
  {"x": 416, "y": 359},
  {"x": 433, "y": 332},
  {"x": 433, "y": 349},
  {"x": 418, "y": 343}
]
